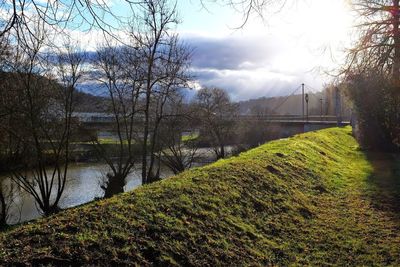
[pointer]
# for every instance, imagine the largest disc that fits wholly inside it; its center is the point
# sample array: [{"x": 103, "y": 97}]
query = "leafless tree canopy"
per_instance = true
[
  {"x": 141, "y": 77},
  {"x": 120, "y": 71},
  {"x": 166, "y": 61},
  {"x": 98, "y": 14},
  {"x": 58, "y": 14},
  {"x": 37, "y": 93},
  {"x": 378, "y": 42},
  {"x": 217, "y": 115},
  {"x": 176, "y": 153}
]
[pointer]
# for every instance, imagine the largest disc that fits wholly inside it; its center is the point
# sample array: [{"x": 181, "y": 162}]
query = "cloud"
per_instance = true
[
  {"x": 251, "y": 66},
  {"x": 227, "y": 53},
  {"x": 247, "y": 67},
  {"x": 246, "y": 84}
]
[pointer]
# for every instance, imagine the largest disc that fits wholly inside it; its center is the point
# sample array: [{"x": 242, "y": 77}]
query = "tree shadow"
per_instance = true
[{"x": 384, "y": 182}]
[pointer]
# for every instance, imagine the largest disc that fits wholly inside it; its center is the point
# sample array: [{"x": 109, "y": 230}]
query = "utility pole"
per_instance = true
[
  {"x": 302, "y": 99},
  {"x": 326, "y": 107},
  {"x": 338, "y": 106}
]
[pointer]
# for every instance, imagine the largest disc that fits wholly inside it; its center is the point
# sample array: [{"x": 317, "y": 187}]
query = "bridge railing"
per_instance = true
[{"x": 325, "y": 118}]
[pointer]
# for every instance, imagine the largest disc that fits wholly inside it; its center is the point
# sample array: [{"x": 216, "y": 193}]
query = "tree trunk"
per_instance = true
[
  {"x": 3, "y": 211},
  {"x": 145, "y": 136},
  {"x": 151, "y": 177},
  {"x": 222, "y": 151},
  {"x": 52, "y": 210},
  {"x": 115, "y": 185},
  {"x": 396, "y": 39}
]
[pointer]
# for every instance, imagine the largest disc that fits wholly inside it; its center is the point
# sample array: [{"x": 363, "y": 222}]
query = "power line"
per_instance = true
[{"x": 283, "y": 102}]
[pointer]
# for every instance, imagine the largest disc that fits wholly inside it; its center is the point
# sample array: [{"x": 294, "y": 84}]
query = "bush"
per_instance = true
[{"x": 376, "y": 102}]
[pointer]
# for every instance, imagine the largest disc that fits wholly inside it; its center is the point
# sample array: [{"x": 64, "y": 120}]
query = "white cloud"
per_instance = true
[
  {"x": 298, "y": 44},
  {"x": 253, "y": 66}
]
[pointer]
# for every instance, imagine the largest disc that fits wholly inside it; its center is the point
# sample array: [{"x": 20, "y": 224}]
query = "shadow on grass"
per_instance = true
[{"x": 384, "y": 182}]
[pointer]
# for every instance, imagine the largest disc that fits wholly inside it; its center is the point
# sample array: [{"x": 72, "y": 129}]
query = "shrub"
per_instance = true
[{"x": 376, "y": 101}]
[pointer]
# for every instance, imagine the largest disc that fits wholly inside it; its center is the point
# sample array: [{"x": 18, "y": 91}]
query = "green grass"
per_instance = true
[
  {"x": 314, "y": 199},
  {"x": 103, "y": 141},
  {"x": 110, "y": 141},
  {"x": 190, "y": 137}
]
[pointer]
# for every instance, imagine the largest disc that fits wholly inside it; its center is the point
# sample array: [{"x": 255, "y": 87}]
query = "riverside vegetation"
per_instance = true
[{"x": 313, "y": 199}]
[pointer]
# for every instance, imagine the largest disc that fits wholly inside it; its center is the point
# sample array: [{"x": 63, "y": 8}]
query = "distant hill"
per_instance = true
[
  {"x": 89, "y": 103},
  {"x": 283, "y": 105},
  {"x": 292, "y": 105},
  {"x": 85, "y": 102}
]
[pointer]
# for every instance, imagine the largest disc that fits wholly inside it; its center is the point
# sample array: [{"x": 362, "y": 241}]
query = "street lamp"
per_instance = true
[
  {"x": 320, "y": 100},
  {"x": 306, "y": 98}
]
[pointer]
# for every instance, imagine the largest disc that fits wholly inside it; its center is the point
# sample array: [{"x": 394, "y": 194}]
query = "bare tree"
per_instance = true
[
  {"x": 172, "y": 78},
  {"x": 10, "y": 145},
  {"x": 156, "y": 21},
  {"x": 140, "y": 78},
  {"x": 121, "y": 68},
  {"x": 59, "y": 15},
  {"x": 97, "y": 14},
  {"x": 372, "y": 73},
  {"x": 45, "y": 110},
  {"x": 378, "y": 45},
  {"x": 250, "y": 8},
  {"x": 217, "y": 115},
  {"x": 165, "y": 64},
  {"x": 177, "y": 153}
]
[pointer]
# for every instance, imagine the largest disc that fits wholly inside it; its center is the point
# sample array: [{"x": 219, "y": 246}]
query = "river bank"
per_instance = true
[
  {"x": 313, "y": 199},
  {"x": 84, "y": 180}
]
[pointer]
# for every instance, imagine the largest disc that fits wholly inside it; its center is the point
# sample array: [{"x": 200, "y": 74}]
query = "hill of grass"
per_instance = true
[{"x": 313, "y": 199}]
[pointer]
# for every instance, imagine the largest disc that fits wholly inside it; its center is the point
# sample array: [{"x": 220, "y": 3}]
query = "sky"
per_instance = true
[
  {"x": 299, "y": 43},
  {"x": 303, "y": 42}
]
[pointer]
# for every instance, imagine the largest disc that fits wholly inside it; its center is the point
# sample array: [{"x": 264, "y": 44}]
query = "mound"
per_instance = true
[{"x": 299, "y": 200}]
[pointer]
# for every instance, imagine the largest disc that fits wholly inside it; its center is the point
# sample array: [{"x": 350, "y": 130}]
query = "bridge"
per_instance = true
[
  {"x": 103, "y": 120},
  {"x": 304, "y": 122},
  {"x": 286, "y": 124},
  {"x": 298, "y": 119},
  {"x": 282, "y": 126},
  {"x": 275, "y": 126}
]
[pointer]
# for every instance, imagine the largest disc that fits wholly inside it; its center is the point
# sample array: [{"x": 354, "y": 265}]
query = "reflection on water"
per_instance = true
[{"x": 83, "y": 185}]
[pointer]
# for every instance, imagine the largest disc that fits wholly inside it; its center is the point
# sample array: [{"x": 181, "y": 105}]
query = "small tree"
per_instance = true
[
  {"x": 121, "y": 74},
  {"x": 172, "y": 78},
  {"x": 165, "y": 62},
  {"x": 177, "y": 153},
  {"x": 217, "y": 115},
  {"x": 11, "y": 147},
  {"x": 45, "y": 113}
]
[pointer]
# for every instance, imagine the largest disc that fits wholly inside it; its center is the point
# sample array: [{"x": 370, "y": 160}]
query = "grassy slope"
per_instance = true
[{"x": 310, "y": 199}]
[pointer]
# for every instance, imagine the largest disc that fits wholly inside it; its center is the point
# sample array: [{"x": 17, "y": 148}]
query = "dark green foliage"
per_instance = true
[
  {"x": 377, "y": 107},
  {"x": 305, "y": 200}
]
